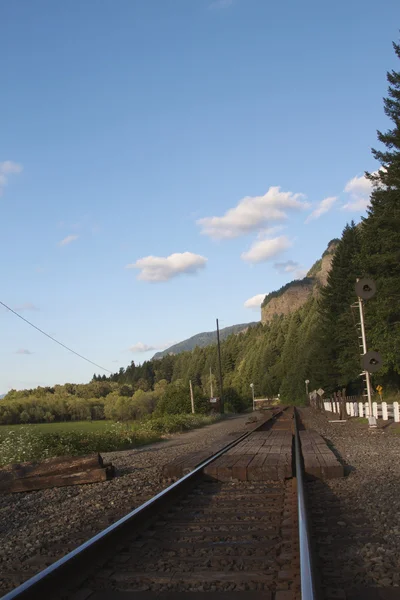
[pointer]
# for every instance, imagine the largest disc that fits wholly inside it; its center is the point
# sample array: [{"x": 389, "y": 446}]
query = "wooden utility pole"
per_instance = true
[
  {"x": 220, "y": 371},
  {"x": 211, "y": 386},
  {"x": 191, "y": 396}
]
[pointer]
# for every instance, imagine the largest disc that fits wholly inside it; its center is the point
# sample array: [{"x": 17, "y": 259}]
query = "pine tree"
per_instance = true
[
  {"x": 337, "y": 341},
  {"x": 380, "y": 257}
]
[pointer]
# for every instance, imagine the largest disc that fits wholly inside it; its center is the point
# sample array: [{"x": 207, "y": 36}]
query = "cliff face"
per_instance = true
[
  {"x": 326, "y": 261},
  {"x": 296, "y": 293},
  {"x": 292, "y": 299}
]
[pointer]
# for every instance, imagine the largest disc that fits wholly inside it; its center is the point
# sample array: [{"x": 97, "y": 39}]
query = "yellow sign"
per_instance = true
[{"x": 379, "y": 388}]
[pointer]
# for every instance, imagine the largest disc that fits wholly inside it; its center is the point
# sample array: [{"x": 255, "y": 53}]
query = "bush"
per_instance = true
[
  {"x": 234, "y": 401},
  {"x": 175, "y": 400},
  {"x": 176, "y": 423}
]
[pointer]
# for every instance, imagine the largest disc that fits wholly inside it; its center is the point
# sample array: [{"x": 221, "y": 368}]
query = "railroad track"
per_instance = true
[{"x": 199, "y": 535}]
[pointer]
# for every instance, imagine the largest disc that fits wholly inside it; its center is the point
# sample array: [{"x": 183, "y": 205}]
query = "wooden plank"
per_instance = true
[
  {"x": 40, "y": 483},
  {"x": 254, "y": 469},
  {"x": 261, "y": 576},
  {"x": 239, "y": 469},
  {"x": 51, "y": 466},
  {"x": 319, "y": 461},
  {"x": 126, "y": 595},
  {"x": 212, "y": 469}
]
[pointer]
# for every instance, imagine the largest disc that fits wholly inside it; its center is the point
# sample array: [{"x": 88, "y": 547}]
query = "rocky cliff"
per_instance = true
[{"x": 296, "y": 293}]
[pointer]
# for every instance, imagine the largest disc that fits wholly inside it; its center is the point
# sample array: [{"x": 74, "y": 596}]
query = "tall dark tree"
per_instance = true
[
  {"x": 380, "y": 257},
  {"x": 337, "y": 340}
]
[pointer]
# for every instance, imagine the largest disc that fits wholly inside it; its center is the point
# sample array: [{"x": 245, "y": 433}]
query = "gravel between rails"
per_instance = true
[
  {"x": 251, "y": 549},
  {"x": 37, "y": 528},
  {"x": 368, "y": 497}
]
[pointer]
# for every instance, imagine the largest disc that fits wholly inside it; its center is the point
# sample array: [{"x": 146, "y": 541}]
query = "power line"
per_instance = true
[{"x": 54, "y": 340}]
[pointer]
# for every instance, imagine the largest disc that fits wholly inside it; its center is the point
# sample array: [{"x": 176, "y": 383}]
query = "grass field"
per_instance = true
[
  {"x": 63, "y": 427},
  {"x": 39, "y": 441}
]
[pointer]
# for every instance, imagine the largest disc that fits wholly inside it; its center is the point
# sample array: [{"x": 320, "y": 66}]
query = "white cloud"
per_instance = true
[
  {"x": 286, "y": 267},
  {"x": 141, "y": 347},
  {"x": 220, "y": 4},
  {"x": 291, "y": 267},
  {"x": 26, "y": 306},
  {"x": 323, "y": 207},
  {"x": 266, "y": 249},
  {"x": 159, "y": 268},
  {"x": 255, "y": 302},
  {"x": 359, "y": 189},
  {"x": 252, "y": 214},
  {"x": 360, "y": 186},
  {"x": 23, "y": 351},
  {"x": 268, "y": 231},
  {"x": 8, "y": 167},
  {"x": 67, "y": 240}
]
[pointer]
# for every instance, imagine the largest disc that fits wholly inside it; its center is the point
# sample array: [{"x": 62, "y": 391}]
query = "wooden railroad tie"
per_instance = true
[
  {"x": 319, "y": 460},
  {"x": 54, "y": 472},
  {"x": 262, "y": 456}
]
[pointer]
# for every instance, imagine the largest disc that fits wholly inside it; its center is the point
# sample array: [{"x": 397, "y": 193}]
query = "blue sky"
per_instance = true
[{"x": 160, "y": 158}]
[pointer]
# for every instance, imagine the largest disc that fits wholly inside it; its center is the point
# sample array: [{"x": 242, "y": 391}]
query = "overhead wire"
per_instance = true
[{"x": 54, "y": 339}]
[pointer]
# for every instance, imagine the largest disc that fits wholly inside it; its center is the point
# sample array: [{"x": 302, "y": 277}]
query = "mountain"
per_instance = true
[
  {"x": 204, "y": 339},
  {"x": 295, "y": 294}
]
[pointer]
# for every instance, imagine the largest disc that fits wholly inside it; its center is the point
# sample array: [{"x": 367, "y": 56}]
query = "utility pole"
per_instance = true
[
  {"x": 191, "y": 396},
  {"x": 365, "y": 289},
  {"x": 372, "y": 420},
  {"x": 220, "y": 371},
  {"x": 307, "y": 381},
  {"x": 211, "y": 386}
]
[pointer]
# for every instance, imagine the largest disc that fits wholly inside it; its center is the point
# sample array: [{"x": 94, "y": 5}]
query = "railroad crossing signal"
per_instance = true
[
  {"x": 365, "y": 288},
  {"x": 320, "y": 392},
  {"x": 372, "y": 361},
  {"x": 379, "y": 389}
]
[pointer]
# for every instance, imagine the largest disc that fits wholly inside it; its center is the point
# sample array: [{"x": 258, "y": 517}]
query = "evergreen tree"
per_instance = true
[
  {"x": 337, "y": 341},
  {"x": 380, "y": 256}
]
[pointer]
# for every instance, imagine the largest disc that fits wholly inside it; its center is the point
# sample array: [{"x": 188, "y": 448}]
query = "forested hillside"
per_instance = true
[{"x": 203, "y": 339}]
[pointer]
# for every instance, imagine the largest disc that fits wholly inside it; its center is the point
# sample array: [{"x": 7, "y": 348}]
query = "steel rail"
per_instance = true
[
  {"x": 307, "y": 571},
  {"x": 54, "y": 576}
]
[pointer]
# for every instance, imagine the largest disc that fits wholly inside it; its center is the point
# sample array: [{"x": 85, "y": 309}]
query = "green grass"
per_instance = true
[
  {"x": 64, "y": 426},
  {"x": 19, "y": 443},
  {"x": 389, "y": 398}
]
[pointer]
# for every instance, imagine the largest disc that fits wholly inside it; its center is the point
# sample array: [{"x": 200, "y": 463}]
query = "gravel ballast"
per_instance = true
[
  {"x": 360, "y": 524},
  {"x": 37, "y": 528},
  {"x": 361, "y": 533}
]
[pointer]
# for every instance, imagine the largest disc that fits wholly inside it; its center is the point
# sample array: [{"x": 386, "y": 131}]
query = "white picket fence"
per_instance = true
[{"x": 380, "y": 410}]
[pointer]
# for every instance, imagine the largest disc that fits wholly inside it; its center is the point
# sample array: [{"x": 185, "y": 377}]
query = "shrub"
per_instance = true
[
  {"x": 176, "y": 423},
  {"x": 233, "y": 399}
]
